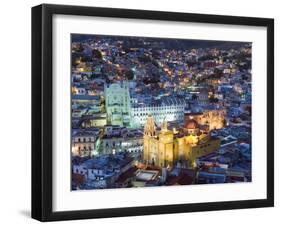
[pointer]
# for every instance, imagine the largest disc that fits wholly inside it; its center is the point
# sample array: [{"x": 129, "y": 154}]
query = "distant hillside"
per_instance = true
[{"x": 160, "y": 43}]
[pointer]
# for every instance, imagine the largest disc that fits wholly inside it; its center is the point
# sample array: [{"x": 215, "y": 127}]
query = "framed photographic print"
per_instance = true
[{"x": 146, "y": 112}]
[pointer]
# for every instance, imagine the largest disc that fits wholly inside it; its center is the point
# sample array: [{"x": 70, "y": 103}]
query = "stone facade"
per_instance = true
[
  {"x": 165, "y": 148},
  {"x": 118, "y": 106}
]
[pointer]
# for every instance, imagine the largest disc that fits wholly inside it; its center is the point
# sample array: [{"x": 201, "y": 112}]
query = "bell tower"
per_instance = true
[
  {"x": 165, "y": 146},
  {"x": 148, "y": 138},
  {"x": 150, "y": 127}
]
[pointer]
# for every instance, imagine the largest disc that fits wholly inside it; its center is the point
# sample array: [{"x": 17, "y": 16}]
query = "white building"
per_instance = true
[
  {"x": 168, "y": 109},
  {"x": 121, "y": 140},
  {"x": 118, "y": 106},
  {"x": 84, "y": 143},
  {"x": 85, "y": 100},
  {"x": 101, "y": 172}
]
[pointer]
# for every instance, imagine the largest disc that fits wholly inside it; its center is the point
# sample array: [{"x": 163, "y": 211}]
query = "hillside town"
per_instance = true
[{"x": 159, "y": 112}]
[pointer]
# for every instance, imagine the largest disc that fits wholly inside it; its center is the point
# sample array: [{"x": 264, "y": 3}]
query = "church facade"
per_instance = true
[
  {"x": 118, "y": 106},
  {"x": 165, "y": 147}
]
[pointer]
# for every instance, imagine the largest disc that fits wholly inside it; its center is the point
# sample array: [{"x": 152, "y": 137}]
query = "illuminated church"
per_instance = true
[{"x": 166, "y": 147}]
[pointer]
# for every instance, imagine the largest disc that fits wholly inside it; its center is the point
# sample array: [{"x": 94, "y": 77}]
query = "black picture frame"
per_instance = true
[{"x": 42, "y": 95}]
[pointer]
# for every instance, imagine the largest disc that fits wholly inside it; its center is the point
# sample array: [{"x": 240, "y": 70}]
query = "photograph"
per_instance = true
[
  {"x": 150, "y": 111},
  {"x": 139, "y": 113},
  {"x": 143, "y": 112}
]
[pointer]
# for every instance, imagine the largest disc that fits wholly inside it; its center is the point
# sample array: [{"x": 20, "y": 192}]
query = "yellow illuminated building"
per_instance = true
[
  {"x": 214, "y": 119},
  {"x": 166, "y": 147}
]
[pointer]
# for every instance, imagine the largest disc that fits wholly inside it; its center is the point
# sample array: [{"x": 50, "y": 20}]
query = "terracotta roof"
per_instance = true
[
  {"x": 185, "y": 179},
  {"x": 153, "y": 168},
  {"x": 77, "y": 178},
  {"x": 127, "y": 174},
  {"x": 191, "y": 124},
  {"x": 182, "y": 179}
]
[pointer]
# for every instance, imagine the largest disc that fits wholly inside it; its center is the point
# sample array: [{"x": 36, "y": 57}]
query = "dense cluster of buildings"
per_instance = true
[{"x": 151, "y": 112}]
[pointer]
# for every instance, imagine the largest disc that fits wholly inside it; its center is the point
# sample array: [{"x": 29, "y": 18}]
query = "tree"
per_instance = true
[
  {"x": 218, "y": 73},
  {"x": 244, "y": 77},
  {"x": 80, "y": 48},
  {"x": 213, "y": 99},
  {"x": 194, "y": 97},
  {"x": 129, "y": 74},
  {"x": 96, "y": 54}
]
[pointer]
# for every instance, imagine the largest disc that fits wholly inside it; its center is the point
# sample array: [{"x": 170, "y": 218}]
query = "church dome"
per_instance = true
[{"x": 191, "y": 124}]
